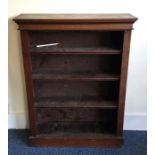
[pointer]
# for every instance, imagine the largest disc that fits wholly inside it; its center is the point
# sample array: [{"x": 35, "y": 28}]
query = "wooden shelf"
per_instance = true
[
  {"x": 69, "y": 77},
  {"x": 64, "y": 103},
  {"x": 77, "y": 135},
  {"x": 76, "y": 51}
]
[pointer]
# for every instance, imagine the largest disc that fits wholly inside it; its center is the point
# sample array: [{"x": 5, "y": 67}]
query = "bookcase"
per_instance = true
[{"x": 75, "y": 73}]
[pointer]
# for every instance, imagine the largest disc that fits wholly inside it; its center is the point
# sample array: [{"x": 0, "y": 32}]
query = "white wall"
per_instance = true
[{"x": 135, "y": 112}]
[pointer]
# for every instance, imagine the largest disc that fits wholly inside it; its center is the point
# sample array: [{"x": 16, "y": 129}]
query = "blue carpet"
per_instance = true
[{"x": 134, "y": 144}]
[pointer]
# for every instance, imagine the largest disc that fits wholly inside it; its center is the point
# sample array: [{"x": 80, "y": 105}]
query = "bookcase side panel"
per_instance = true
[
  {"x": 123, "y": 80},
  {"x": 28, "y": 80}
]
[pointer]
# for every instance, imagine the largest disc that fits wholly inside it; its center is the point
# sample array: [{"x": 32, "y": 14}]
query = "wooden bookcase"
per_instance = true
[{"x": 76, "y": 88}]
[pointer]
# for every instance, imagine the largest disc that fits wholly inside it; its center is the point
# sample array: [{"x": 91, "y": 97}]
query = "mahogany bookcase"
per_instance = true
[{"x": 75, "y": 71}]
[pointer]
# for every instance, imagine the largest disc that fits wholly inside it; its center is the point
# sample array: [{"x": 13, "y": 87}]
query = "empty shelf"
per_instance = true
[
  {"x": 86, "y": 77},
  {"x": 61, "y": 50},
  {"x": 64, "y": 103}
]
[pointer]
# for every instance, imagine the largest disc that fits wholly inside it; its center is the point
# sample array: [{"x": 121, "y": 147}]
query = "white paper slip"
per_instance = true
[{"x": 46, "y": 45}]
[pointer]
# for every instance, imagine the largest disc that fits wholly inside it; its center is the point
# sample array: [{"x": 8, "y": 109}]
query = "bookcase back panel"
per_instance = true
[
  {"x": 74, "y": 114},
  {"x": 82, "y": 64},
  {"x": 51, "y": 120},
  {"x": 84, "y": 129},
  {"x": 76, "y": 90},
  {"x": 75, "y": 39}
]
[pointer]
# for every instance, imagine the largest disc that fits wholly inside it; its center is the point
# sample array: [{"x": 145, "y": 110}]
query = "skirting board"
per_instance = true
[
  {"x": 135, "y": 122},
  {"x": 131, "y": 122}
]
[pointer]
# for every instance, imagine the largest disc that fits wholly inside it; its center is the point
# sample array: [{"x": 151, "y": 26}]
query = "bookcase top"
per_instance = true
[{"x": 75, "y": 18}]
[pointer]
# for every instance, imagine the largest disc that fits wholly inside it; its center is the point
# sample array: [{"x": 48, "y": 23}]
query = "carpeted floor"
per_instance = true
[{"x": 135, "y": 144}]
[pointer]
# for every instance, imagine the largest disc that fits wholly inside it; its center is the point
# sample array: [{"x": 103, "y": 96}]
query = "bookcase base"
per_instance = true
[{"x": 76, "y": 142}]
